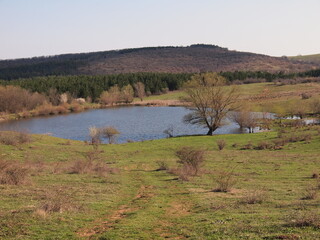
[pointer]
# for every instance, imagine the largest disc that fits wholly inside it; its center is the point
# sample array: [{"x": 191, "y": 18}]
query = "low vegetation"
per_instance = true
[{"x": 138, "y": 190}]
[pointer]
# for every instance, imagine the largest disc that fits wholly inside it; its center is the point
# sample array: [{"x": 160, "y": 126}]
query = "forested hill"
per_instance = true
[{"x": 195, "y": 58}]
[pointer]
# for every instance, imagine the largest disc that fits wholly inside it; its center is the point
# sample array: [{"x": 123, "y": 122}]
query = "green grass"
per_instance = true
[
  {"x": 308, "y": 58},
  {"x": 138, "y": 202},
  {"x": 246, "y": 90}
]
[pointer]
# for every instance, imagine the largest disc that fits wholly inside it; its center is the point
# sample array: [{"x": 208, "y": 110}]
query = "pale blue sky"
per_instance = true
[{"x": 48, "y": 27}]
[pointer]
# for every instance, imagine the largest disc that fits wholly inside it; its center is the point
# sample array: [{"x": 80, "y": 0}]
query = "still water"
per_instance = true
[{"x": 134, "y": 123}]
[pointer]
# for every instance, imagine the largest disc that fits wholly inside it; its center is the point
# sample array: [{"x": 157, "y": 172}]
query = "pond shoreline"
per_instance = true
[{"x": 145, "y": 103}]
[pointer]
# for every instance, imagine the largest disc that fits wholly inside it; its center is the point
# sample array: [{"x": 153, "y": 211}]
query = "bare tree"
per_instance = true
[
  {"x": 169, "y": 131},
  {"x": 14, "y": 99},
  {"x": 210, "y": 99},
  {"x": 127, "y": 93},
  {"x": 54, "y": 96},
  {"x": 95, "y": 135},
  {"x": 110, "y": 133},
  {"x": 297, "y": 109},
  {"x": 245, "y": 119},
  {"x": 139, "y": 90},
  {"x": 110, "y": 97},
  {"x": 315, "y": 106}
]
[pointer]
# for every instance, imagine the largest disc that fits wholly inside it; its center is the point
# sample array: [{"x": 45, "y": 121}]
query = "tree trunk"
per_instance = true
[{"x": 210, "y": 131}]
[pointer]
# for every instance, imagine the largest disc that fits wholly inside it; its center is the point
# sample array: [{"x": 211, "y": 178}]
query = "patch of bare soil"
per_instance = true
[
  {"x": 104, "y": 224},
  {"x": 178, "y": 209}
]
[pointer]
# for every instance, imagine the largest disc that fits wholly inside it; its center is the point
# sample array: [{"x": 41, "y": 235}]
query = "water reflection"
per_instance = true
[{"x": 134, "y": 123}]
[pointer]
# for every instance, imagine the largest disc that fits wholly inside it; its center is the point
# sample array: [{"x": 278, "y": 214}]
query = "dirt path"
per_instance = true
[{"x": 108, "y": 222}]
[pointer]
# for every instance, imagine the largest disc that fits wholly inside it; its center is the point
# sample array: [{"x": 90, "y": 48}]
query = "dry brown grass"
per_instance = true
[
  {"x": 56, "y": 201},
  {"x": 310, "y": 193},
  {"x": 184, "y": 172},
  {"x": 13, "y": 173},
  {"x": 191, "y": 159},
  {"x": 14, "y": 138},
  {"x": 221, "y": 144},
  {"x": 92, "y": 164},
  {"x": 15, "y": 99},
  {"x": 265, "y": 145},
  {"x": 162, "y": 165},
  {"x": 255, "y": 197},
  {"x": 225, "y": 181},
  {"x": 303, "y": 219}
]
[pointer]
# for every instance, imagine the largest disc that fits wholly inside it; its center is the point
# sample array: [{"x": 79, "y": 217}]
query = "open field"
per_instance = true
[
  {"x": 315, "y": 58},
  {"x": 261, "y": 96},
  {"x": 123, "y": 196}
]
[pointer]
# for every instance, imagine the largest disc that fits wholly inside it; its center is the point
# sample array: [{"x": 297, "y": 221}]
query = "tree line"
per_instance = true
[
  {"x": 267, "y": 76},
  {"x": 155, "y": 83},
  {"x": 92, "y": 86}
]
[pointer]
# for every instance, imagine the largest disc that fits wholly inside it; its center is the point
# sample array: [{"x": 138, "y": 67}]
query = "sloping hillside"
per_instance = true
[
  {"x": 314, "y": 58},
  {"x": 195, "y": 58}
]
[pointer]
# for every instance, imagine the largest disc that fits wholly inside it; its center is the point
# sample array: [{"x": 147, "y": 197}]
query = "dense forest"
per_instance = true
[
  {"x": 92, "y": 86},
  {"x": 155, "y": 83},
  {"x": 267, "y": 76}
]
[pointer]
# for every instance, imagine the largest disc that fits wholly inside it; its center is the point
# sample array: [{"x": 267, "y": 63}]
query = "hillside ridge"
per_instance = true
[{"x": 169, "y": 59}]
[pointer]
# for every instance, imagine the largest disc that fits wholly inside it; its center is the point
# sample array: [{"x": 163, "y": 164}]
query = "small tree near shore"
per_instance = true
[
  {"x": 139, "y": 90},
  {"x": 110, "y": 133},
  {"x": 245, "y": 119},
  {"x": 127, "y": 94}
]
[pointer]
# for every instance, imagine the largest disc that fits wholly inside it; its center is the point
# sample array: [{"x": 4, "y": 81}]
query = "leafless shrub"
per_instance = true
[
  {"x": 235, "y": 145},
  {"x": 61, "y": 109},
  {"x": 280, "y": 142},
  {"x": 299, "y": 138},
  {"x": 80, "y": 167},
  {"x": 110, "y": 97},
  {"x": 310, "y": 193},
  {"x": 248, "y": 146},
  {"x": 184, "y": 172},
  {"x": 162, "y": 165},
  {"x": 303, "y": 219},
  {"x": 281, "y": 132},
  {"x": 254, "y": 197},
  {"x": 44, "y": 109},
  {"x": 169, "y": 131},
  {"x": 245, "y": 119},
  {"x": 14, "y": 138},
  {"x": 56, "y": 201},
  {"x": 95, "y": 135},
  {"x": 225, "y": 181},
  {"x": 139, "y": 90},
  {"x": 15, "y": 99},
  {"x": 264, "y": 145},
  {"x": 191, "y": 158},
  {"x": 24, "y": 137},
  {"x": 221, "y": 144},
  {"x": 98, "y": 168},
  {"x": 127, "y": 94},
  {"x": 76, "y": 107},
  {"x": 91, "y": 164},
  {"x": 315, "y": 106},
  {"x": 13, "y": 173},
  {"x": 110, "y": 133},
  {"x": 306, "y": 95}
]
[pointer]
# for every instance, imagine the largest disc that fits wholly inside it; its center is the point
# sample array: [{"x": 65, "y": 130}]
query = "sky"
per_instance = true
[{"x": 31, "y": 28}]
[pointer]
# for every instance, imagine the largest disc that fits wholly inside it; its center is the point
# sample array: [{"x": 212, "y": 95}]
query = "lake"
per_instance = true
[{"x": 134, "y": 123}]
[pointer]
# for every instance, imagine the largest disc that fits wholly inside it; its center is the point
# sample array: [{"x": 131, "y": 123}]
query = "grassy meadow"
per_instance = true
[
  {"x": 72, "y": 190},
  {"x": 247, "y": 186}
]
